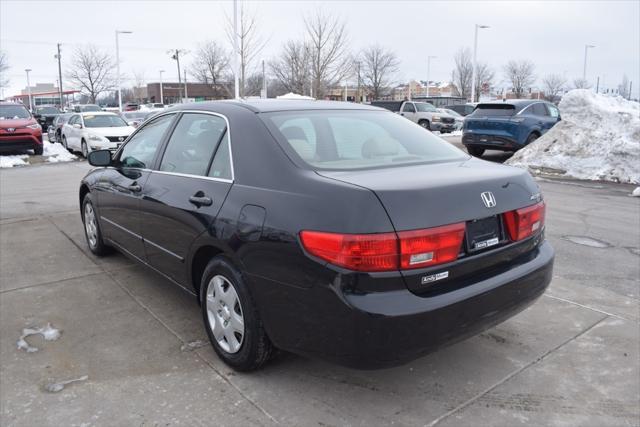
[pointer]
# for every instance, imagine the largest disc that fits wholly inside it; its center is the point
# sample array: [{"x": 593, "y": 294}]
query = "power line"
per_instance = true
[{"x": 37, "y": 42}]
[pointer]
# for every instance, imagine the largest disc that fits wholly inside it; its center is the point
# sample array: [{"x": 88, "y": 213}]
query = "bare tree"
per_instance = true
[
  {"x": 250, "y": 43},
  {"x": 4, "y": 67},
  {"x": 92, "y": 71},
  {"x": 623, "y": 87},
  {"x": 211, "y": 65},
  {"x": 463, "y": 71},
  {"x": 553, "y": 86},
  {"x": 328, "y": 40},
  {"x": 378, "y": 67},
  {"x": 139, "y": 88},
  {"x": 521, "y": 75},
  {"x": 580, "y": 83},
  {"x": 484, "y": 77},
  {"x": 292, "y": 67}
]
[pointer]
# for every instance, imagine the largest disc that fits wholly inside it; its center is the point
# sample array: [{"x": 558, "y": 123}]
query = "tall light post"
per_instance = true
[
  {"x": 475, "y": 63},
  {"x": 29, "y": 89},
  {"x": 429, "y": 58},
  {"x": 584, "y": 69},
  {"x": 118, "y": 67},
  {"x": 161, "y": 97},
  {"x": 236, "y": 52}
]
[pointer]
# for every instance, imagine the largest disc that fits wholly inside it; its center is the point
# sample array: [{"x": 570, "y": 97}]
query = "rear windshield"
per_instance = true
[
  {"x": 492, "y": 110},
  {"x": 90, "y": 107},
  {"x": 347, "y": 140},
  {"x": 104, "y": 121},
  {"x": 9, "y": 112}
]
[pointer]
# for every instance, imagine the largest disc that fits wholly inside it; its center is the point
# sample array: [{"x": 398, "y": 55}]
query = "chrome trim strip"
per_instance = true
[
  {"x": 163, "y": 249},
  {"x": 186, "y": 175},
  {"x": 121, "y": 227}
]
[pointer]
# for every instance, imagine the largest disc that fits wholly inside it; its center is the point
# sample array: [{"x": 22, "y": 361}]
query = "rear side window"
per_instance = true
[
  {"x": 141, "y": 149},
  {"x": 193, "y": 143},
  {"x": 348, "y": 140},
  {"x": 493, "y": 110},
  {"x": 408, "y": 108},
  {"x": 553, "y": 111},
  {"x": 538, "y": 109},
  {"x": 221, "y": 165}
]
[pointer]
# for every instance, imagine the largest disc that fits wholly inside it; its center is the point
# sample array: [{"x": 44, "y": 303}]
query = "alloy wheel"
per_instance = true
[
  {"x": 224, "y": 314},
  {"x": 90, "y": 226},
  {"x": 85, "y": 150}
]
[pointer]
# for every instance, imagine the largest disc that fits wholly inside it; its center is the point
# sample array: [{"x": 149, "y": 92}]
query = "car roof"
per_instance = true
[
  {"x": 515, "y": 102},
  {"x": 96, "y": 113},
  {"x": 270, "y": 105}
]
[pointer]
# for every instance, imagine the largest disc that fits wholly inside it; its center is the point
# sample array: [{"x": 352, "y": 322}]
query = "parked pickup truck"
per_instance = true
[{"x": 423, "y": 113}]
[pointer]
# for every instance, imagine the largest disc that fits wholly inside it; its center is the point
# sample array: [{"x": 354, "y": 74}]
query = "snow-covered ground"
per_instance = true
[
  {"x": 52, "y": 153},
  {"x": 597, "y": 139}
]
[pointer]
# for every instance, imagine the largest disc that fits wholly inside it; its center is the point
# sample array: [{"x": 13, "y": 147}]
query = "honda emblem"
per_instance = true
[
  {"x": 11, "y": 129},
  {"x": 488, "y": 199}
]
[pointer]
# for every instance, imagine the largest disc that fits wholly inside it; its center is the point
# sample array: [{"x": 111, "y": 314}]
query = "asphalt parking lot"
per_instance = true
[{"x": 136, "y": 345}]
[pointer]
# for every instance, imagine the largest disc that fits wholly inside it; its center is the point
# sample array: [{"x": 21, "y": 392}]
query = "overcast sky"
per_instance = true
[{"x": 551, "y": 34}]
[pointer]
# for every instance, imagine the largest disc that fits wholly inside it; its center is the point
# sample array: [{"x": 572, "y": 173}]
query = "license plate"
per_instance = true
[{"x": 483, "y": 233}]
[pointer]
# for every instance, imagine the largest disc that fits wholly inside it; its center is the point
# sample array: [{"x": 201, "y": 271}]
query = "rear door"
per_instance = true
[
  {"x": 182, "y": 197},
  {"x": 542, "y": 117},
  {"x": 120, "y": 187},
  {"x": 409, "y": 111}
]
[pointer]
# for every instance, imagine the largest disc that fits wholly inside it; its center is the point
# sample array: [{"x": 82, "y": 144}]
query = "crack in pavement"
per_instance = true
[{"x": 511, "y": 375}]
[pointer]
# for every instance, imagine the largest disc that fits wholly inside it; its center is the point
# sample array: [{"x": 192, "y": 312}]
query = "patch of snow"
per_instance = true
[
  {"x": 59, "y": 386},
  {"x": 49, "y": 333},
  {"x": 57, "y": 153},
  {"x": 192, "y": 345},
  {"x": 456, "y": 133},
  {"x": 597, "y": 139},
  {"x": 636, "y": 192},
  {"x": 14, "y": 160}
]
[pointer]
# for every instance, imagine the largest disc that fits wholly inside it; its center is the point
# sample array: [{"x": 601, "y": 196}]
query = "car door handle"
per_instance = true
[
  {"x": 200, "y": 200},
  {"x": 135, "y": 188}
]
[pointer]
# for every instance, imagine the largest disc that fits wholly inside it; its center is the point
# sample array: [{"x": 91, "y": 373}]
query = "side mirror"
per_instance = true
[
  {"x": 100, "y": 158},
  {"x": 77, "y": 126}
]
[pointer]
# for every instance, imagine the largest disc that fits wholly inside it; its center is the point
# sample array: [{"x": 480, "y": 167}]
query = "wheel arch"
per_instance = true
[
  {"x": 84, "y": 190},
  {"x": 198, "y": 262}
]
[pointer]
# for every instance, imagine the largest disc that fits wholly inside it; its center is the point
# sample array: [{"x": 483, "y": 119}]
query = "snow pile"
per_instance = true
[
  {"x": 597, "y": 139},
  {"x": 49, "y": 333},
  {"x": 11, "y": 161},
  {"x": 57, "y": 153}
]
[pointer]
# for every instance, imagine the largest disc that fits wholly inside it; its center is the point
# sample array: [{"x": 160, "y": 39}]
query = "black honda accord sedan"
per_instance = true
[{"x": 327, "y": 229}]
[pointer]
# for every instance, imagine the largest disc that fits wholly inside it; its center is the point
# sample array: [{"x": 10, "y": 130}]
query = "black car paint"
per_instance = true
[{"x": 363, "y": 320}]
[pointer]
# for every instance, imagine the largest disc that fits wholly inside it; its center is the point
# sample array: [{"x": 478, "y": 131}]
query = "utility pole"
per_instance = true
[
  {"x": 598, "y": 84},
  {"x": 161, "y": 94},
  {"x": 630, "y": 86},
  {"x": 29, "y": 89},
  {"x": 584, "y": 69},
  {"x": 186, "y": 95},
  {"x": 475, "y": 62},
  {"x": 176, "y": 57},
  {"x": 264, "y": 81},
  {"x": 236, "y": 53},
  {"x": 59, "y": 58},
  {"x": 358, "y": 100},
  {"x": 429, "y": 71}
]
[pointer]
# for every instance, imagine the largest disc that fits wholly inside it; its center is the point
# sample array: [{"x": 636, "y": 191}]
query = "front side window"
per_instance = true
[
  {"x": 425, "y": 107},
  {"x": 193, "y": 143},
  {"x": 12, "y": 112},
  {"x": 141, "y": 149},
  {"x": 361, "y": 139},
  {"x": 539, "y": 110},
  {"x": 103, "y": 121}
]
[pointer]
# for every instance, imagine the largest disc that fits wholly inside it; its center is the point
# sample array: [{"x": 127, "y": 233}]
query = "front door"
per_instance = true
[
  {"x": 409, "y": 111},
  {"x": 120, "y": 187},
  {"x": 182, "y": 198}
]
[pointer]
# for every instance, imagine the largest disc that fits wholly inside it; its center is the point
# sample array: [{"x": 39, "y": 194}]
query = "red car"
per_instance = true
[{"x": 19, "y": 131}]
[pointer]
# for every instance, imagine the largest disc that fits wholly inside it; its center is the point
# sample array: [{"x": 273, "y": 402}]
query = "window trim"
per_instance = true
[{"x": 163, "y": 146}]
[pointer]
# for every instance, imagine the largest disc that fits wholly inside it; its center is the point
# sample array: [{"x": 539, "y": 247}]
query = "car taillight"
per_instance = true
[
  {"x": 431, "y": 246},
  {"x": 524, "y": 222},
  {"x": 386, "y": 251},
  {"x": 361, "y": 252}
]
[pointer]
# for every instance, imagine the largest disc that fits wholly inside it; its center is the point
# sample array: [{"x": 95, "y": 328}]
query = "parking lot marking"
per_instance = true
[
  {"x": 511, "y": 375},
  {"x": 587, "y": 307}
]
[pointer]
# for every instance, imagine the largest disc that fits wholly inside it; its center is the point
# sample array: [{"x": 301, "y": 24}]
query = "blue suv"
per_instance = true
[{"x": 507, "y": 126}]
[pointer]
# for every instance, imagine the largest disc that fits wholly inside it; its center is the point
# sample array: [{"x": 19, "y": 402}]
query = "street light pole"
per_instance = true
[
  {"x": 161, "y": 94},
  {"x": 59, "y": 58},
  {"x": 29, "y": 89},
  {"x": 584, "y": 69},
  {"x": 429, "y": 71},
  {"x": 118, "y": 68},
  {"x": 475, "y": 63},
  {"x": 236, "y": 61}
]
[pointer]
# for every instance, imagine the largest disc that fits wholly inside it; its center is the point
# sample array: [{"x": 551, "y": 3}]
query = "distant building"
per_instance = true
[
  {"x": 415, "y": 89},
  {"x": 43, "y": 94},
  {"x": 172, "y": 92}
]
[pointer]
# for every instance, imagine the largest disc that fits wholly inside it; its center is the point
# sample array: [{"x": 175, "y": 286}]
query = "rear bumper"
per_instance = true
[
  {"x": 442, "y": 127},
  {"x": 382, "y": 329},
  {"x": 19, "y": 142},
  {"x": 490, "y": 142}
]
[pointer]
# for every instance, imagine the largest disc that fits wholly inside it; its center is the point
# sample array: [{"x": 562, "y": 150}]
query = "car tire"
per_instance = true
[
  {"x": 92, "y": 231},
  {"x": 475, "y": 151},
  {"x": 425, "y": 124},
  {"x": 38, "y": 150},
  {"x": 231, "y": 318},
  {"x": 84, "y": 149},
  {"x": 532, "y": 138},
  {"x": 64, "y": 143}
]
